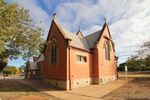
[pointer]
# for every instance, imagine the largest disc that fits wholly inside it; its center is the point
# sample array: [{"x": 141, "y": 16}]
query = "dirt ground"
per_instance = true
[
  {"x": 14, "y": 90},
  {"x": 137, "y": 89}
]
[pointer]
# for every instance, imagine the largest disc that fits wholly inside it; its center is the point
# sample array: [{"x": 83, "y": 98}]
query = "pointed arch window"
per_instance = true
[
  {"x": 107, "y": 50},
  {"x": 54, "y": 47}
]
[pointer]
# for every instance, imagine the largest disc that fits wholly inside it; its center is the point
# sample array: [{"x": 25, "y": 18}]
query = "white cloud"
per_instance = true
[
  {"x": 129, "y": 20},
  {"x": 91, "y": 29},
  {"x": 78, "y": 14},
  {"x": 37, "y": 13}
]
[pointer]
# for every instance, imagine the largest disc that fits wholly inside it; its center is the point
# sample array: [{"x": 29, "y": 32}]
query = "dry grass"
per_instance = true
[
  {"x": 14, "y": 90},
  {"x": 138, "y": 89}
]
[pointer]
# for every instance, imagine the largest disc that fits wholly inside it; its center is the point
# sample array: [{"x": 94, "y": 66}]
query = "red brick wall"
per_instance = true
[
  {"x": 80, "y": 69},
  {"x": 58, "y": 70},
  {"x": 67, "y": 66},
  {"x": 95, "y": 63},
  {"x": 106, "y": 68},
  {"x": 41, "y": 68}
]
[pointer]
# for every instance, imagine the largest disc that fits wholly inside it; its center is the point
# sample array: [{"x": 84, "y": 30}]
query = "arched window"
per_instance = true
[
  {"x": 107, "y": 50},
  {"x": 54, "y": 46}
]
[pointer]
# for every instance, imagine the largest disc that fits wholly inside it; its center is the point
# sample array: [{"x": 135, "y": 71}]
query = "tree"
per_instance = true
[
  {"x": 121, "y": 67},
  {"x": 11, "y": 70},
  {"x": 144, "y": 49},
  {"x": 3, "y": 62},
  {"x": 22, "y": 68},
  {"x": 131, "y": 63},
  {"x": 147, "y": 63},
  {"x": 140, "y": 61},
  {"x": 41, "y": 47},
  {"x": 134, "y": 63},
  {"x": 146, "y": 45},
  {"x": 19, "y": 34},
  {"x": 144, "y": 53}
]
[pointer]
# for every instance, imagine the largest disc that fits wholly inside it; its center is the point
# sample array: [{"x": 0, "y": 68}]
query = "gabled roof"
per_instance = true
[
  {"x": 93, "y": 38},
  {"x": 76, "y": 41},
  {"x": 79, "y": 33},
  {"x": 60, "y": 28},
  {"x": 104, "y": 26},
  {"x": 86, "y": 42}
]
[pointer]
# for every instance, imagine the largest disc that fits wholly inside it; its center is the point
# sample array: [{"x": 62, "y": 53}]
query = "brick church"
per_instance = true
[{"x": 73, "y": 60}]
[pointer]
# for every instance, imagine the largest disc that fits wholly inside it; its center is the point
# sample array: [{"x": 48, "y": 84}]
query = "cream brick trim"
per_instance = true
[
  {"x": 57, "y": 83},
  {"x": 75, "y": 83},
  {"x": 107, "y": 79},
  {"x": 104, "y": 80},
  {"x": 82, "y": 82}
]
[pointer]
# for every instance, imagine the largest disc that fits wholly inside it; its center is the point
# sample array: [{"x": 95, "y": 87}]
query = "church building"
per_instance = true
[{"x": 74, "y": 60}]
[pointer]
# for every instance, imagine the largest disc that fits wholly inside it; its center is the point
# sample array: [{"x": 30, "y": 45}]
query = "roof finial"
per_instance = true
[
  {"x": 54, "y": 15},
  {"x": 78, "y": 28},
  {"x": 105, "y": 20}
]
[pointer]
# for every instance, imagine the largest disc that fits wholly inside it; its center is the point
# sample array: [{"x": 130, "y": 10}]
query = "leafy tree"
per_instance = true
[
  {"x": 121, "y": 67},
  {"x": 144, "y": 53},
  {"x": 147, "y": 63},
  {"x": 146, "y": 46},
  {"x": 3, "y": 62},
  {"x": 131, "y": 63},
  {"x": 140, "y": 61},
  {"x": 134, "y": 63},
  {"x": 19, "y": 34},
  {"x": 41, "y": 46},
  {"x": 10, "y": 70},
  {"x": 145, "y": 49},
  {"x": 22, "y": 68}
]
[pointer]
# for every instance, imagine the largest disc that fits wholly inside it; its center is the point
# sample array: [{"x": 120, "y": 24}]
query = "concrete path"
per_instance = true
[{"x": 91, "y": 92}]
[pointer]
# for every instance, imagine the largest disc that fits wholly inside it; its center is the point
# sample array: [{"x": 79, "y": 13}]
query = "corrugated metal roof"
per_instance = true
[
  {"x": 92, "y": 38},
  {"x": 77, "y": 41},
  {"x": 83, "y": 43}
]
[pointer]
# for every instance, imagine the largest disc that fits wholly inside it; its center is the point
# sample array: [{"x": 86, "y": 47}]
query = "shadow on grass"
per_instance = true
[
  {"x": 25, "y": 85},
  {"x": 14, "y": 89}
]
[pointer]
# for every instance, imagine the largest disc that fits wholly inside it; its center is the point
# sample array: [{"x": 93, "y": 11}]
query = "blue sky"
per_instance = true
[{"x": 128, "y": 20}]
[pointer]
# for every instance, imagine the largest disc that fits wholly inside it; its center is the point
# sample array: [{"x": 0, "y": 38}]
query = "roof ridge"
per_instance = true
[
  {"x": 92, "y": 38},
  {"x": 92, "y": 33}
]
